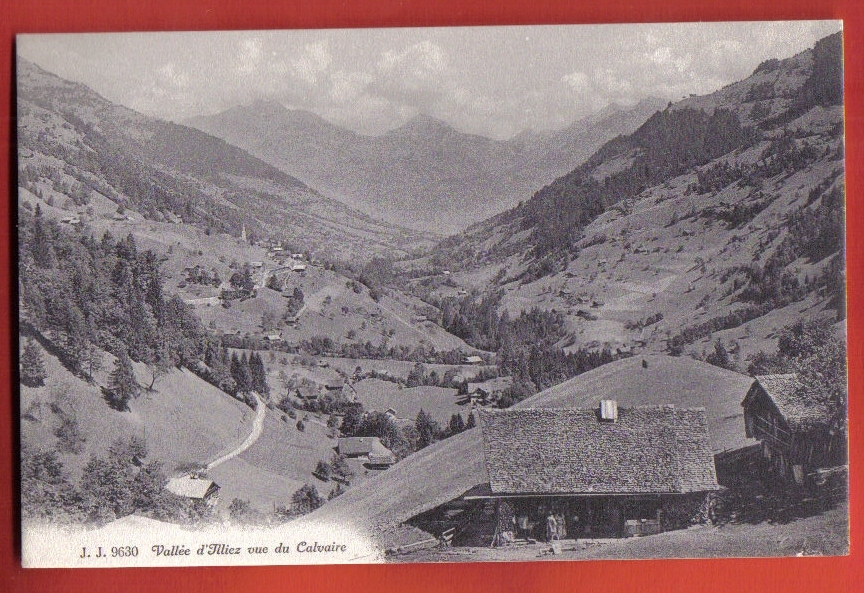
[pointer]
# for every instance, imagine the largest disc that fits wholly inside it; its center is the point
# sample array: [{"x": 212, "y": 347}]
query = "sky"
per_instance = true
[{"x": 492, "y": 81}]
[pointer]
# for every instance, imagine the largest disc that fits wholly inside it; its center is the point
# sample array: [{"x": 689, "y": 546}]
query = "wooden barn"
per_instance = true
[
  {"x": 795, "y": 430},
  {"x": 585, "y": 473}
]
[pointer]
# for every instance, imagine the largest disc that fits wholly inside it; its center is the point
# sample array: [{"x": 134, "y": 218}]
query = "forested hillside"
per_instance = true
[
  {"x": 721, "y": 217},
  {"x": 75, "y": 142}
]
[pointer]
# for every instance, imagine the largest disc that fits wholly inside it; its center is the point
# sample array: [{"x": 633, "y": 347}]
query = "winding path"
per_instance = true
[{"x": 257, "y": 428}]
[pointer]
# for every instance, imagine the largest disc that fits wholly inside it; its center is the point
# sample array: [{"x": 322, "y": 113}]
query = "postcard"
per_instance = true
[{"x": 432, "y": 294}]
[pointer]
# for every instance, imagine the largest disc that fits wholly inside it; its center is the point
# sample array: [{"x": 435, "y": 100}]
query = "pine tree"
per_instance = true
[
  {"x": 32, "y": 366},
  {"x": 457, "y": 425},
  {"x": 307, "y": 499},
  {"x": 43, "y": 253},
  {"x": 427, "y": 429},
  {"x": 257, "y": 374},
  {"x": 240, "y": 372},
  {"x": 472, "y": 422},
  {"x": 159, "y": 364},
  {"x": 46, "y": 491},
  {"x": 122, "y": 385}
]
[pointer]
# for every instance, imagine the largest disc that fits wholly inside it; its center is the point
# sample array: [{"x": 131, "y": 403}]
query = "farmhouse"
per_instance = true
[
  {"x": 306, "y": 394},
  {"x": 472, "y": 360},
  {"x": 334, "y": 384},
  {"x": 230, "y": 294},
  {"x": 575, "y": 473},
  {"x": 485, "y": 391},
  {"x": 376, "y": 453},
  {"x": 196, "y": 488},
  {"x": 795, "y": 430},
  {"x": 298, "y": 267}
]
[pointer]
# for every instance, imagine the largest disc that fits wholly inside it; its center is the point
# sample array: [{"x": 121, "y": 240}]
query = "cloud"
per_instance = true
[
  {"x": 249, "y": 55},
  {"x": 313, "y": 62},
  {"x": 420, "y": 61},
  {"x": 492, "y": 81},
  {"x": 578, "y": 81}
]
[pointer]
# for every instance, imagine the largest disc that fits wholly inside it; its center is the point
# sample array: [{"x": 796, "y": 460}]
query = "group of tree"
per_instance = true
[
  {"x": 241, "y": 280},
  {"x": 401, "y": 439},
  {"x": 335, "y": 468},
  {"x": 85, "y": 295},
  {"x": 526, "y": 345},
  {"x": 476, "y": 320},
  {"x": 294, "y": 302},
  {"x": 249, "y": 374},
  {"x": 305, "y": 500},
  {"x": 669, "y": 143},
  {"x": 199, "y": 275},
  {"x": 112, "y": 486}
]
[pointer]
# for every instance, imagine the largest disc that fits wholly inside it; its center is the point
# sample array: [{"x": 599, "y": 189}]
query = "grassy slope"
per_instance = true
[
  {"x": 446, "y": 470},
  {"x": 439, "y": 402},
  {"x": 185, "y": 419},
  {"x": 277, "y": 464}
]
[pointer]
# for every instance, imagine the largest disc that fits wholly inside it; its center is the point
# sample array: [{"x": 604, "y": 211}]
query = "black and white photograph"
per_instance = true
[{"x": 455, "y": 294}]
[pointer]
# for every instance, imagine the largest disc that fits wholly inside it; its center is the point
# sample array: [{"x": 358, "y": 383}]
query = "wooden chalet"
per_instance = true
[
  {"x": 195, "y": 487},
  {"x": 483, "y": 392},
  {"x": 795, "y": 430},
  {"x": 602, "y": 472},
  {"x": 377, "y": 455}
]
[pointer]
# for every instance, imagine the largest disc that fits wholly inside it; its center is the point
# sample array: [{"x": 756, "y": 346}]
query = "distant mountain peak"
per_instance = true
[
  {"x": 423, "y": 122},
  {"x": 643, "y": 105}
]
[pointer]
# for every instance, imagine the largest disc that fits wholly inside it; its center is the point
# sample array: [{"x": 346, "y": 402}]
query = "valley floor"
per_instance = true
[{"x": 826, "y": 534}]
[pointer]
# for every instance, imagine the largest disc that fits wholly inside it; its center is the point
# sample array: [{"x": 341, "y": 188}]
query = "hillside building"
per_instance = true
[
  {"x": 196, "y": 488},
  {"x": 584, "y": 473},
  {"x": 795, "y": 431},
  {"x": 377, "y": 455},
  {"x": 485, "y": 392}
]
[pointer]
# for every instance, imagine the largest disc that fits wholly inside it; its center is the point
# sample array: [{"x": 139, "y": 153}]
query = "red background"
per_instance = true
[{"x": 790, "y": 574}]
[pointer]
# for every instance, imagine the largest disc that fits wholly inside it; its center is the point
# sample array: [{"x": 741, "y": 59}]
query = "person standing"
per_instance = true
[{"x": 551, "y": 527}]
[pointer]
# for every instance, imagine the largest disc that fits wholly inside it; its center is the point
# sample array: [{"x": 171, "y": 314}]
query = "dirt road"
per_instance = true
[{"x": 257, "y": 427}]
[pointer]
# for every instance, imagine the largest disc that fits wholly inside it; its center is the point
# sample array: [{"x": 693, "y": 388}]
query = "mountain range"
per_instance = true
[
  {"x": 85, "y": 144},
  {"x": 425, "y": 173}
]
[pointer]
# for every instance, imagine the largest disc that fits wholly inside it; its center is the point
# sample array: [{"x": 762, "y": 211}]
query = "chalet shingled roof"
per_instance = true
[
  {"x": 798, "y": 410},
  {"x": 190, "y": 487},
  {"x": 360, "y": 445},
  {"x": 571, "y": 451}
]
